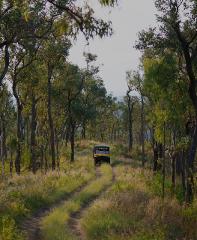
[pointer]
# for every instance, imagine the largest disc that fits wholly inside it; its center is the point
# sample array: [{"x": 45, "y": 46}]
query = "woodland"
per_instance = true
[{"x": 52, "y": 113}]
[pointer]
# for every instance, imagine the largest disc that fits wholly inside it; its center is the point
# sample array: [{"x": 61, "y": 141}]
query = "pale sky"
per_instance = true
[{"x": 116, "y": 55}]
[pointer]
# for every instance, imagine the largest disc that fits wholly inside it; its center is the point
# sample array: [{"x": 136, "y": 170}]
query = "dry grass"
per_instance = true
[
  {"x": 55, "y": 225},
  {"x": 130, "y": 210},
  {"x": 20, "y": 196}
]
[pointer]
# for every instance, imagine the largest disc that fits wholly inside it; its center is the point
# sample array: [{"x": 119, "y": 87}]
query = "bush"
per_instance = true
[{"x": 9, "y": 229}]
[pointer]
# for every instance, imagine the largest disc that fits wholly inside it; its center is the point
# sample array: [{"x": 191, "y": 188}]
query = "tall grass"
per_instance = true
[
  {"x": 132, "y": 210},
  {"x": 55, "y": 226},
  {"x": 21, "y": 196}
]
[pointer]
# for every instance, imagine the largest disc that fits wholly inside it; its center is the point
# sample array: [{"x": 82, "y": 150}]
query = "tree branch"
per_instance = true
[{"x": 6, "y": 64}]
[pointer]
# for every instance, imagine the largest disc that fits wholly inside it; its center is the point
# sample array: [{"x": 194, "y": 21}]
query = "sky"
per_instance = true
[{"x": 117, "y": 54}]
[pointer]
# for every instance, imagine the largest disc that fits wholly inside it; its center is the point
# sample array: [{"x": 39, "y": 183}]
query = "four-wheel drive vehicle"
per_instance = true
[{"x": 101, "y": 153}]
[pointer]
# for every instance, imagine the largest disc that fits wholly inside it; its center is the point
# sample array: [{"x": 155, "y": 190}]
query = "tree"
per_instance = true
[
  {"x": 6, "y": 120},
  {"x": 130, "y": 105},
  {"x": 177, "y": 32},
  {"x": 168, "y": 105},
  {"x": 135, "y": 83}
]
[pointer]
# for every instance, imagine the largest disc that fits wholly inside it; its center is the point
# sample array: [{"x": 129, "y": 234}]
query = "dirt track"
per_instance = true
[
  {"x": 31, "y": 226},
  {"x": 74, "y": 222}
]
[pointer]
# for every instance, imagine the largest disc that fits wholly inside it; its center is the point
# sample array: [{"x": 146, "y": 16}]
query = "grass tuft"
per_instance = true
[{"x": 59, "y": 217}]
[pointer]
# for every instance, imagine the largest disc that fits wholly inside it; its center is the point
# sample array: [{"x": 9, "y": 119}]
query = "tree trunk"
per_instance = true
[
  {"x": 173, "y": 169},
  {"x": 190, "y": 68},
  {"x": 164, "y": 161},
  {"x": 50, "y": 119},
  {"x": 57, "y": 150},
  {"x": 3, "y": 148},
  {"x": 19, "y": 128},
  {"x": 155, "y": 158},
  {"x": 45, "y": 159},
  {"x": 142, "y": 131},
  {"x": 84, "y": 130},
  {"x": 33, "y": 134},
  {"x": 42, "y": 157},
  {"x": 67, "y": 134},
  {"x": 19, "y": 141},
  {"x": 130, "y": 121},
  {"x": 183, "y": 173},
  {"x": 6, "y": 64},
  {"x": 1, "y": 152},
  {"x": 4, "y": 138},
  {"x": 72, "y": 142},
  {"x": 190, "y": 168},
  {"x": 27, "y": 131},
  {"x": 11, "y": 163}
]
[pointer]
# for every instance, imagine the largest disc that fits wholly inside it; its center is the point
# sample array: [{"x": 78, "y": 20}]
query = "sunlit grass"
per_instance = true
[
  {"x": 60, "y": 229},
  {"x": 131, "y": 210},
  {"x": 20, "y": 196}
]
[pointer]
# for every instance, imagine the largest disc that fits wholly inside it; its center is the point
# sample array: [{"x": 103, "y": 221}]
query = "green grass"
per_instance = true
[
  {"x": 131, "y": 210},
  {"x": 54, "y": 225},
  {"x": 21, "y": 196}
]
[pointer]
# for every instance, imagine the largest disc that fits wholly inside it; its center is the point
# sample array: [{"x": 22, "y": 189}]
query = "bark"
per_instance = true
[
  {"x": 50, "y": 119},
  {"x": 173, "y": 168},
  {"x": 84, "y": 130},
  {"x": 158, "y": 154},
  {"x": 130, "y": 106},
  {"x": 185, "y": 45},
  {"x": 6, "y": 64},
  {"x": 57, "y": 152},
  {"x": 142, "y": 131},
  {"x": 3, "y": 142},
  {"x": 33, "y": 134},
  {"x": 19, "y": 128},
  {"x": 1, "y": 152},
  {"x": 155, "y": 159},
  {"x": 190, "y": 168},
  {"x": 42, "y": 157},
  {"x": 4, "y": 138},
  {"x": 67, "y": 137},
  {"x": 11, "y": 163},
  {"x": 72, "y": 142},
  {"x": 27, "y": 131},
  {"x": 164, "y": 162},
  {"x": 183, "y": 171},
  {"x": 45, "y": 158}
]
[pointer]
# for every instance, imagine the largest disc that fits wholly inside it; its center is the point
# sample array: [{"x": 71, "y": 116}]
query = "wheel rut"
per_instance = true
[
  {"x": 74, "y": 221},
  {"x": 31, "y": 226}
]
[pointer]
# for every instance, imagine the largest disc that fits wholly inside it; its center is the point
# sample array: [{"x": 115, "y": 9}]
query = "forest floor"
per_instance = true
[{"x": 84, "y": 202}]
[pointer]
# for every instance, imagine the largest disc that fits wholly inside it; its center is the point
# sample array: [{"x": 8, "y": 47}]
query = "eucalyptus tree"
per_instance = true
[
  {"x": 130, "y": 102},
  {"x": 7, "y": 117},
  {"x": 34, "y": 19},
  {"x": 169, "y": 105},
  {"x": 135, "y": 83},
  {"x": 32, "y": 92},
  {"x": 22, "y": 58},
  {"x": 177, "y": 31},
  {"x": 54, "y": 51},
  {"x": 21, "y": 21},
  {"x": 70, "y": 83},
  {"x": 38, "y": 31}
]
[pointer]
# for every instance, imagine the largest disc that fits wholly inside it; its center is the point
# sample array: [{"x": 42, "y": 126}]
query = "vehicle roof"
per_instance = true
[{"x": 101, "y": 146}]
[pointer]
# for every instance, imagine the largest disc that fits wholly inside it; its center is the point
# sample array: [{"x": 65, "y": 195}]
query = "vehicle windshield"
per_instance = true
[{"x": 101, "y": 150}]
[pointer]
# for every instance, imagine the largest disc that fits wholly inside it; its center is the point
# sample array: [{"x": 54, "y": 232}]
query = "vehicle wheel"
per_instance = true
[{"x": 95, "y": 162}]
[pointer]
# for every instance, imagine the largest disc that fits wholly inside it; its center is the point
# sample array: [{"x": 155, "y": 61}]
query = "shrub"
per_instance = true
[{"x": 9, "y": 229}]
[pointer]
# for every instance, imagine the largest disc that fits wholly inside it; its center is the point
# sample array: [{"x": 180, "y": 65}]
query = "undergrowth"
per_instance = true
[
  {"x": 133, "y": 210},
  {"x": 55, "y": 225},
  {"x": 21, "y": 196}
]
